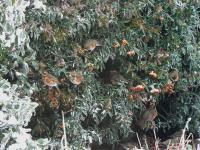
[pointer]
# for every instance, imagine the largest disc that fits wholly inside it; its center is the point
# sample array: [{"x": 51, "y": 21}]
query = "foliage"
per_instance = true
[
  {"x": 16, "y": 109},
  {"x": 16, "y": 112}
]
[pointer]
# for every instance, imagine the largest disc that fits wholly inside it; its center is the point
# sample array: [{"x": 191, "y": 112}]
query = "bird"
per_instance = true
[
  {"x": 161, "y": 56},
  {"x": 174, "y": 75},
  {"x": 42, "y": 67},
  {"x": 50, "y": 80},
  {"x": 148, "y": 116},
  {"x": 60, "y": 63},
  {"x": 76, "y": 77},
  {"x": 108, "y": 105},
  {"x": 91, "y": 44},
  {"x": 116, "y": 78}
]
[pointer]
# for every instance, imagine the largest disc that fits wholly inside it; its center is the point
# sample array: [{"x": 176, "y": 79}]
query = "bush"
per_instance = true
[{"x": 142, "y": 53}]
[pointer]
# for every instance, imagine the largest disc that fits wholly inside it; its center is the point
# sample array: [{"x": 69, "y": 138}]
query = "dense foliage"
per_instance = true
[{"x": 146, "y": 53}]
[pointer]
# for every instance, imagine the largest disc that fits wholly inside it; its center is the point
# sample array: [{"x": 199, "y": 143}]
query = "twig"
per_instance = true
[
  {"x": 64, "y": 131},
  {"x": 154, "y": 133},
  {"x": 156, "y": 140},
  {"x": 193, "y": 144},
  {"x": 145, "y": 140},
  {"x": 162, "y": 116},
  {"x": 168, "y": 146},
  {"x": 139, "y": 140},
  {"x": 182, "y": 140},
  {"x": 187, "y": 139}
]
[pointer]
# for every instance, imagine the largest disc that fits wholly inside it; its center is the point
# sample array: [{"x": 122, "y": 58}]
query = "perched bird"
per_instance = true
[
  {"x": 161, "y": 56},
  {"x": 60, "y": 63},
  {"x": 42, "y": 66},
  {"x": 91, "y": 44},
  {"x": 108, "y": 105},
  {"x": 76, "y": 77},
  {"x": 174, "y": 75},
  {"x": 148, "y": 116},
  {"x": 116, "y": 78},
  {"x": 50, "y": 80}
]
